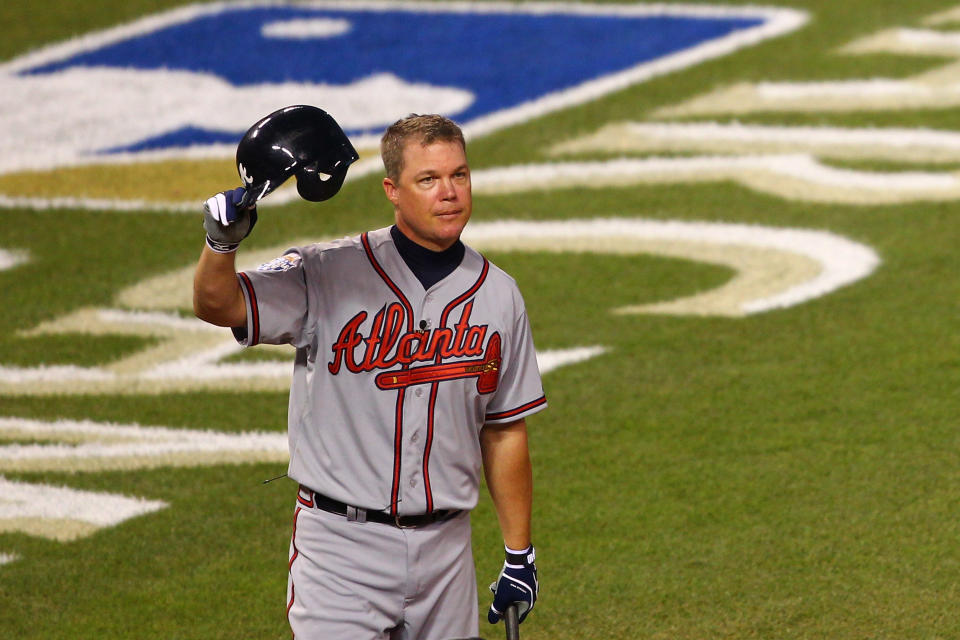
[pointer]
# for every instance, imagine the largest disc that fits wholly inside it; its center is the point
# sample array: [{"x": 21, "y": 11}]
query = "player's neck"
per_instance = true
[{"x": 430, "y": 267}]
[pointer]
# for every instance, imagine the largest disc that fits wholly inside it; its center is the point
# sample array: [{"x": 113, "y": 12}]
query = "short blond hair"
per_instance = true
[{"x": 423, "y": 129}]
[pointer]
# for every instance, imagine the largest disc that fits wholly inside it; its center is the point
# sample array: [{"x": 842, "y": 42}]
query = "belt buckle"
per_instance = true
[{"x": 398, "y": 520}]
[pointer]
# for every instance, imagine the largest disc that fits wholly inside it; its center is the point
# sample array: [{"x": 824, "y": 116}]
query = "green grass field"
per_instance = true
[{"x": 790, "y": 474}]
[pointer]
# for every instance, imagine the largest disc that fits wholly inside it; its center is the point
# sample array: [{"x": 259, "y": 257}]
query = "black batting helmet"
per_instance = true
[{"x": 299, "y": 140}]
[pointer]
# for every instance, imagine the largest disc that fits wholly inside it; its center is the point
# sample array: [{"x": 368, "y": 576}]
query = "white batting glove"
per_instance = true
[{"x": 226, "y": 224}]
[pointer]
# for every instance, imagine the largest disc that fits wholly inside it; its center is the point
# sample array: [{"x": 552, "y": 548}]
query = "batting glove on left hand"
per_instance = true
[
  {"x": 225, "y": 223},
  {"x": 517, "y": 583}
]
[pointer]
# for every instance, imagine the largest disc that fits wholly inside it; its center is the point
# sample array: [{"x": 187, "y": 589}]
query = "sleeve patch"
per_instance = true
[{"x": 283, "y": 263}]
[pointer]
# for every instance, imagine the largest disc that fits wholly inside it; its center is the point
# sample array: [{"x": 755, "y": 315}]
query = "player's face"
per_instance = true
[{"x": 431, "y": 198}]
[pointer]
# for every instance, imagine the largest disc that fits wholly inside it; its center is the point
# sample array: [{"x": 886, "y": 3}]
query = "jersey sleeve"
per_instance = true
[
  {"x": 520, "y": 390},
  {"x": 276, "y": 299}
]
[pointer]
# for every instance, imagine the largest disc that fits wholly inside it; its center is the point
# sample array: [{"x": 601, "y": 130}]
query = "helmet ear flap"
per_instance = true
[{"x": 317, "y": 186}]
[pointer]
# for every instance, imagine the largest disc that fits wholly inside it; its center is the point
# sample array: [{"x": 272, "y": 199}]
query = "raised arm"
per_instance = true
[{"x": 217, "y": 297}]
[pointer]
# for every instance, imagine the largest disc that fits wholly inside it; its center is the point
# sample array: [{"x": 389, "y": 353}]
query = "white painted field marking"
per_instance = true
[
  {"x": 10, "y": 259},
  {"x": 775, "y": 267},
  {"x": 49, "y": 376},
  {"x": 61, "y": 513},
  {"x": 894, "y": 144},
  {"x": 188, "y": 352},
  {"x": 790, "y": 176},
  {"x": 8, "y": 558},
  {"x": 67, "y": 445},
  {"x": 909, "y": 42},
  {"x": 306, "y": 28},
  {"x": 938, "y": 88},
  {"x": 551, "y": 360}
]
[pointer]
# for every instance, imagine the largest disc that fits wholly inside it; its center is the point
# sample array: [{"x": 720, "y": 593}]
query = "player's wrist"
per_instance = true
[
  {"x": 220, "y": 247},
  {"x": 524, "y": 557},
  {"x": 516, "y": 584}
]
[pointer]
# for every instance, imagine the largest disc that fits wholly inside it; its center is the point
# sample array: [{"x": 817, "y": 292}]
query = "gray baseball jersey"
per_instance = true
[{"x": 392, "y": 383}]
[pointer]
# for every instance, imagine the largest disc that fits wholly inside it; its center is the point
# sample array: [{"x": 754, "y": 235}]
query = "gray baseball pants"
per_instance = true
[{"x": 374, "y": 581}]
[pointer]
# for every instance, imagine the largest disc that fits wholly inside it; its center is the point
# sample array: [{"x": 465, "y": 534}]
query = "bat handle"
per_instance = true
[{"x": 511, "y": 621}]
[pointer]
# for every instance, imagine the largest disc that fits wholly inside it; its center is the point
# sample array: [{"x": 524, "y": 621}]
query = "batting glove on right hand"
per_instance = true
[
  {"x": 226, "y": 224},
  {"x": 517, "y": 584}
]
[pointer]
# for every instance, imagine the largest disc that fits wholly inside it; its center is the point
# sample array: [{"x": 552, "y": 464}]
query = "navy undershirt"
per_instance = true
[{"x": 429, "y": 266}]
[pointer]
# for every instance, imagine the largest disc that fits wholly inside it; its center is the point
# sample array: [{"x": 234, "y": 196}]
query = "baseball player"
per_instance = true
[{"x": 415, "y": 370}]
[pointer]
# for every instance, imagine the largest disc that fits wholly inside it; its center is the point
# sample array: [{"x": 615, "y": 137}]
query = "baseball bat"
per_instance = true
[{"x": 511, "y": 622}]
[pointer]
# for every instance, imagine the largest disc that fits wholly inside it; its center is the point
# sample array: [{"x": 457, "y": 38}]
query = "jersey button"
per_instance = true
[{"x": 418, "y": 393}]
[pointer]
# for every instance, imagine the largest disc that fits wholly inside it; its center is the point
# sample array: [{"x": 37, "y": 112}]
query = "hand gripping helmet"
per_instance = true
[{"x": 298, "y": 140}]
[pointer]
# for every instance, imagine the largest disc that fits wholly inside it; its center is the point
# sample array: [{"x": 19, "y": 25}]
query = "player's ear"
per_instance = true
[{"x": 390, "y": 189}]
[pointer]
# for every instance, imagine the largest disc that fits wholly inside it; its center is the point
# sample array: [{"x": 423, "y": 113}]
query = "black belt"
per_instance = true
[{"x": 357, "y": 514}]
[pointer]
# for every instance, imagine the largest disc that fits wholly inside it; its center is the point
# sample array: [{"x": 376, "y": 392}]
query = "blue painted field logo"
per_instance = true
[{"x": 182, "y": 87}]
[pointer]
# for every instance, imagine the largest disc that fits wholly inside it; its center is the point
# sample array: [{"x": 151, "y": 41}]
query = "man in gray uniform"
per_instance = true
[{"x": 415, "y": 370}]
